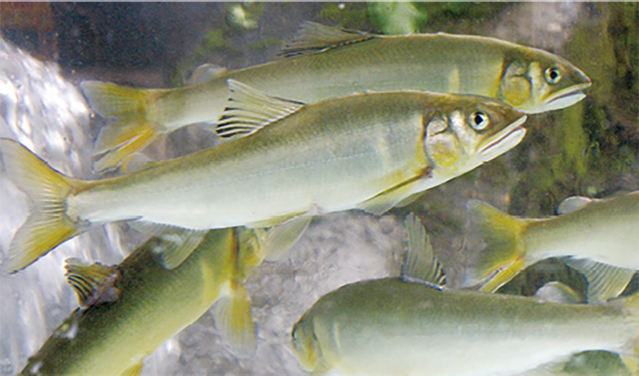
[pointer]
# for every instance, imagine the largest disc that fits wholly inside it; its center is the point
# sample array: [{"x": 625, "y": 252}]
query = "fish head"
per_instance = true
[
  {"x": 537, "y": 81},
  {"x": 305, "y": 343},
  {"x": 466, "y": 131}
]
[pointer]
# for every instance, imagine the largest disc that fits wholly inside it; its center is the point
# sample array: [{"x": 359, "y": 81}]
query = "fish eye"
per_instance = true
[
  {"x": 478, "y": 120},
  {"x": 552, "y": 75}
]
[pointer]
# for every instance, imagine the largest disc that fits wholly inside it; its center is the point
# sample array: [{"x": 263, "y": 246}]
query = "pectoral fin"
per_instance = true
[
  {"x": 387, "y": 200},
  {"x": 573, "y": 204},
  {"x": 420, "y": 263},
  {"x": 207, "y": 72},
  {"x": 94, "y": 284},
  {"x": 176, "y": 243},
  {"x": 604, "y": 281},
  {"x": 557, "y": 292},
  {"x": 134, "y": 370}
]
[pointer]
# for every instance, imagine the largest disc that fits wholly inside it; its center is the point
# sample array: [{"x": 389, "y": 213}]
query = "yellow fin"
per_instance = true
[
  {"x": 119, "y": 140},
  {"x": 109, "y": 99},
  {"x": 134, "y": 370},
  {"x": 604, "y": 281},
  {"x": 250, "y": 110},
  {"x": 47, "y": 224},
  {"x": 234, "y": 320},
  {"x": 420, "y": 263},
  {"x": 632, "y": 363},
  {"x": 313, "y": 37},
  {"x": 504, "y": 252},
  {"x": 94, "y": 284},
  {"x": 131, "y": 132}
]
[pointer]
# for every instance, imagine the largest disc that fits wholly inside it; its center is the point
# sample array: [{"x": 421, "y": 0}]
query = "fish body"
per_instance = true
[
  {"x": 602, "y": 231},
  {"x": 389, "y": 326},
  {"x": 367, "y": 151},
  {"x": 153, "y": 305},
  {"x": 330, "y": 63}
]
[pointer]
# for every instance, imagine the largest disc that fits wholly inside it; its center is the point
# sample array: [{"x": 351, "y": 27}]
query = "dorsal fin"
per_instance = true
[
  {"x": 313, "y": 37},
  {"x": 249, "y": 110},
  {"x": 420, "y": 264},
  {"x": 94, "y": 284},
  {"x": 572, "y": 204}
]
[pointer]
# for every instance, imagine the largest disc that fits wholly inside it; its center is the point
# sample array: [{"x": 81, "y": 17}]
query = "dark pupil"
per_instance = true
[
  {"x": 553, "y": 74},
  {"x": 479, "y": 119}
]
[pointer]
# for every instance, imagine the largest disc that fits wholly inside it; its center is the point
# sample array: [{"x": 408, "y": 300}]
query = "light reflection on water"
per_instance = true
[{"x": 46, "y": 113}]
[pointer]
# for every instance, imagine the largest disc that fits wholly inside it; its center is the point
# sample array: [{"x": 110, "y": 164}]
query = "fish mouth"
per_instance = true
[
  {"x": 566, "y": 98},
  {"x": 504, "y": 140}
]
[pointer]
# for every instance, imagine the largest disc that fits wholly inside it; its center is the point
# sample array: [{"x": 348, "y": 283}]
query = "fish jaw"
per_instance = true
[
  {"x": 565, "y": 98},
  {"x": 503, "y": 141}
]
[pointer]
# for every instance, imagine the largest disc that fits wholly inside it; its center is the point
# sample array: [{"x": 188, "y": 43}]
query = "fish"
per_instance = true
[
  {"x": 597, "y": 237},
  {"x": 408, "y": 326},
  {"x": 324, "y": 62},
  {"x": 130, "y": 309},
  {"x": 283, "y": 161}
]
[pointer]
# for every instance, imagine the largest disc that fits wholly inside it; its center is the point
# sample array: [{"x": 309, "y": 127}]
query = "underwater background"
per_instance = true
[{"x": 47, "y": 49}]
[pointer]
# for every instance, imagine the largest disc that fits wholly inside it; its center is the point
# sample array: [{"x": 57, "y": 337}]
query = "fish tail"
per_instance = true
[
  {"x": 504, "y": 253},
  {"x": 47, "y": 224},
  {"x": 132, "y": 131},
  {"x": 233, "y": 318}
]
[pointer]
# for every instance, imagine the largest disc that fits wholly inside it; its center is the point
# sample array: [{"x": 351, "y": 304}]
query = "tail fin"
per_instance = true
[
  {"x": 132, "y": 132},
  {"x": 47, "y": 225},
  {"x": 504, "y": 252}
]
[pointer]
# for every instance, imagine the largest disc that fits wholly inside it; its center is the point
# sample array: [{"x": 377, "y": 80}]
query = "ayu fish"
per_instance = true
[
  {"x": 284, "y": 161},
  {"x": 134, "y": 307},
  {"x": 324, "y": 62},
  {"x": 414, "y": 326},
  {"x": 598, "y": 237}
]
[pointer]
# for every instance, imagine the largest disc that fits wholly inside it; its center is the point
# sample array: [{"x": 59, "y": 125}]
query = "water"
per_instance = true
[{"x": 588, "y": 149}]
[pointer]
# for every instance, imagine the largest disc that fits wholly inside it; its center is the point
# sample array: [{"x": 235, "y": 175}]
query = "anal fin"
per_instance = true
[
  {"x": 279, "y": 239},
  {"x": 234, "y": 320},
  {"x": 604, "y": 281},
  {"x": 420, "y": 263}
]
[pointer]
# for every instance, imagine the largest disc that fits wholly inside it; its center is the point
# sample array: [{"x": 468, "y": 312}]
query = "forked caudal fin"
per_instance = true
[
  {"x": 504, "y": 252},
  {"x": 47, "y": 224},
  {"x": 131, "y": 132}
]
